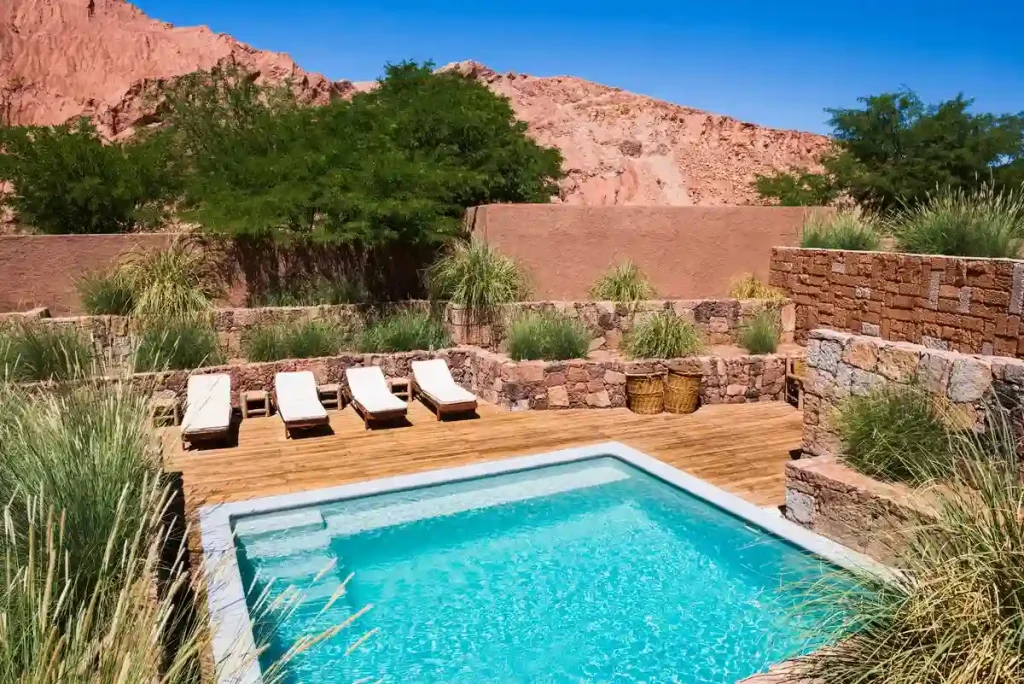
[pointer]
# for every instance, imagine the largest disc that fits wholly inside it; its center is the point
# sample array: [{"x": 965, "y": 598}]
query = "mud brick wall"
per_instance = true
[
  {"x": 958, "y": 304},
  {"x": 841, "y": 364}
]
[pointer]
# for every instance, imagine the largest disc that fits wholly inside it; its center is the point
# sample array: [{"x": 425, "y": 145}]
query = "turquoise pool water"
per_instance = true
[{"x": 586, "y": 572}]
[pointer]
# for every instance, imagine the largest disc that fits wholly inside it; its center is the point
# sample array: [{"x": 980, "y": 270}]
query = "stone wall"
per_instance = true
[
  {"x": 960, "y": 304},
  {"x": 533, "y": 385},
  {"x": 840, "y": 364},
  {"x": 720, "y": 320},
  {"x": 864, "y": 514}
]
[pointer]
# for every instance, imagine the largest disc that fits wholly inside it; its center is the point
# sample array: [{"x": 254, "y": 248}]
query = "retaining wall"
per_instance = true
[{"x": 954, "y": 303}]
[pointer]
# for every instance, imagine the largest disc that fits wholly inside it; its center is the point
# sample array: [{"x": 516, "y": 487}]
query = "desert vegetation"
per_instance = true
[
  {"x": 403, "y": 330},
  {"x": 749, "y": 286},
  {"x": 896, "y": 433},
  {"x": 313, "y": 291},
  {"x": 298, "y": 340},
  {"x": 844, "y": 229},
  {"x": 177, "y": 343},
  {"x": 625, "y": 282},
  {"x": 762, "y": 332},
  {"x": 476, "y": 277},
  {"x": 548, "y": 335},
  {"x": 953, "y": 613},
  {"x": 34, "y": 352},
  {"x": 663, "y": 335}
]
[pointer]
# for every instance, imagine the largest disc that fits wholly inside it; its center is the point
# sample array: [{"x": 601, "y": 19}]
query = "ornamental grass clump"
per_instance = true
[
  {"x": 548, "y": 335},
  {"x": 301, "y": 340},
  {"x": 843, "y": 230},
  {"x": 179, "y": 281},
  {"x": 623, "y": 283},
  {"x": 36, "y": 352},
  {"x": 476, "y": 277},
  {"x": 897, "y": 433},
  {"x": 173, "y": 343},
  {"x": 954, "y": 614},
  {"x": 106, "y": 293},
  {"x": 761, "y": 334},
  {"x": 316, "y": 291},
  {"x": 664, "y": 335},
  {"x": 749, "y": 286},
  {"x": 405, "y": 330},
  {"x": 958, "y": 222}
]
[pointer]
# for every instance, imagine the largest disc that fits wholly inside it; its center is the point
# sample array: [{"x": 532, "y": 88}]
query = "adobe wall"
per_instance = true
[
  {"x": 687, "y": 252},
  {"x": 954, "y": 303}
]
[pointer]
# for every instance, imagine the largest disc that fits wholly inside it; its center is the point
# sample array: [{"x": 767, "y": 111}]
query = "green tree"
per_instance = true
[
  {"x": 895, "y": 150},
  {"x": 401, "y": 162},
  {"x": 66, "y": 179}
]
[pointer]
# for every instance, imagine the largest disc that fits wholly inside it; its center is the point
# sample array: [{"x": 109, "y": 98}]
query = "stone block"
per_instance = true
[
  {"x": 898, "y": 363},
  {"x": 599, "y": 399},
  {"x": 862, "y": 382},
  {"x": 861, "y": 353},
  {"x": 969, "y": 379},
  {"x": 612, "y": 377},
  {"x": 825, "y": 355},
  {"x": 558, "y": 397},
  {"x": 871, "y": 329}
]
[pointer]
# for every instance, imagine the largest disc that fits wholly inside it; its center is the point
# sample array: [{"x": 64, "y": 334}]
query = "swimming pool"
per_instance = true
[{"x": 586, "y": 565}]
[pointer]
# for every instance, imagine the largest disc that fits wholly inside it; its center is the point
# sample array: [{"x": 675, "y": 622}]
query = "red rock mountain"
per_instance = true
[{"x": 64, "y": 58}]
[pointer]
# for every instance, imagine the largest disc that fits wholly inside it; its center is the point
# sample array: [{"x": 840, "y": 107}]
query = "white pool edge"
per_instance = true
[{"x": 233, "y": 644}]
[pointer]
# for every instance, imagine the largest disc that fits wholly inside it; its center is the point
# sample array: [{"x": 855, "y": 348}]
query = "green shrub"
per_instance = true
[
  {"x": 954, "y": 613},
  {"x": 476, "y": 277},
  {"x": 749, "y": 286},
  {"x": 407, "y": 330},
  {"x": 551, "y": 336},
  {"x": 623, "y": 283},
  {"x": 177, "y": 344},
  {"x": 106, "y": 293},
  {"x": 314, "y": 292},
  {"x": 664, "y": 335},
  {"x": 979, "y": 223},
  {"x": 843, "y": 230},
  {"x": 762, "y": 332},
  {"x": 302, "y": 340},
  {"x": 179, "y": 281},
  {"x": 33, "y": 352},
  {"x": 895, "y": 433}
]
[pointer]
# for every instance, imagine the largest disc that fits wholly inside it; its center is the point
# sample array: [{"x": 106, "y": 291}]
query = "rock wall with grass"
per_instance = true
[
  {"x": 840, "y": 364},
  {"x": 720, "y": 320},
  {"x": 523, "y": 385},
  {"x": 953, "y": 303}
]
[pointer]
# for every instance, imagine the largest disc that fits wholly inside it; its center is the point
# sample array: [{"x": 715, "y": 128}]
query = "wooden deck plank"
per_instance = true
[{"x": 742, "y": 448}]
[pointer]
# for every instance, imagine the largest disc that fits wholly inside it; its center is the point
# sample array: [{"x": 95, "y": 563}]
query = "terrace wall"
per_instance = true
[
  {"x": 721, "y": 320},
  {"x": 959, "y": 304},
  {"x": 686, "y": 251},
  {"x": 841, "y": 364},
  {"x": 534, "y": 385}
]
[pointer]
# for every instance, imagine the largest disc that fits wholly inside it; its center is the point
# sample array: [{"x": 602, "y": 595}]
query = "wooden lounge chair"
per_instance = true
[
  {"x": 433, "y": 382},
  {"x": 298, "y": 402},
  {"x": 207, "y": 408},
  {"x": 371, "y": 396}
]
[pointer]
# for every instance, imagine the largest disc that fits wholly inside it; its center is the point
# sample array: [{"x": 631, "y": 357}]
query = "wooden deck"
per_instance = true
[{"x": 742, "y": 448}]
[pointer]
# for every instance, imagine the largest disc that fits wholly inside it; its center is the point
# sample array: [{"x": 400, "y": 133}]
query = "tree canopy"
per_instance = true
[
  {"x": 895, "y": 150},
  {"x": 398, "y": 163}
]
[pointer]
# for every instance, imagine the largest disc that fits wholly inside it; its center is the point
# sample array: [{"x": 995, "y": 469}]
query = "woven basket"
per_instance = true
[
  {"x": 682, "y": 392},
  {"x": 645, "y": 392}
]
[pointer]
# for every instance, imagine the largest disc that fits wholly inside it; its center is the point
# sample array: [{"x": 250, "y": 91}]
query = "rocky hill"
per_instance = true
[{"x": 65, "y": 58}]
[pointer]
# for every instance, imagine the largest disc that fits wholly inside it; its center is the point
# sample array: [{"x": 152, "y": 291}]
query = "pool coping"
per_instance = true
[{"x": 234, "y": 647}]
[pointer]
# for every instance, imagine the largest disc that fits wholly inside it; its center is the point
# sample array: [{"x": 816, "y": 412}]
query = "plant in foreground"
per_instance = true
[
  {"x": 302, "y": 340},
  {"x": 895, "y": 432},
  {"x": 106, "y": 293},
  {"x": 980, "y": 223},
  {"x": 664, "y": 335},
  {"x": 842, "y": 230},
  {"x": 476, "y": 277},
  {"x": 406, "y": 330},
  {"x": 623, "y": 283},
  {"x": 954, "y": 614},
  {"x": 176, "y": 344},
  {"x": 35, "y": 352},
  {"x": 749, "y": 286},
  {"x": 762, "y": 332},
  {"x": 547, "y": 335}
]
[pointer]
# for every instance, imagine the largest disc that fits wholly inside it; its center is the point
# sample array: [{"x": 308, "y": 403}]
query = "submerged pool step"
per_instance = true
[
  {"x": 343, "y": 524},
  {"x": 289, "y": 546},
  {"x": 308, "y": 518}
]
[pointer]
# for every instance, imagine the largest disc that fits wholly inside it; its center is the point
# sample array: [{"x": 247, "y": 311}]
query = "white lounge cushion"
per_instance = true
[
  {"x": 370, "y": 389},
  {"x": 297, "y": 398},
  {"x": 207, "y": 404},
  {"x": 434, "y": 378}
]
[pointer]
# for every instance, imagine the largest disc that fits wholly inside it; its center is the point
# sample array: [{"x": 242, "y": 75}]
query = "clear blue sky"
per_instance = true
[{"x": 771, "y": 62}]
